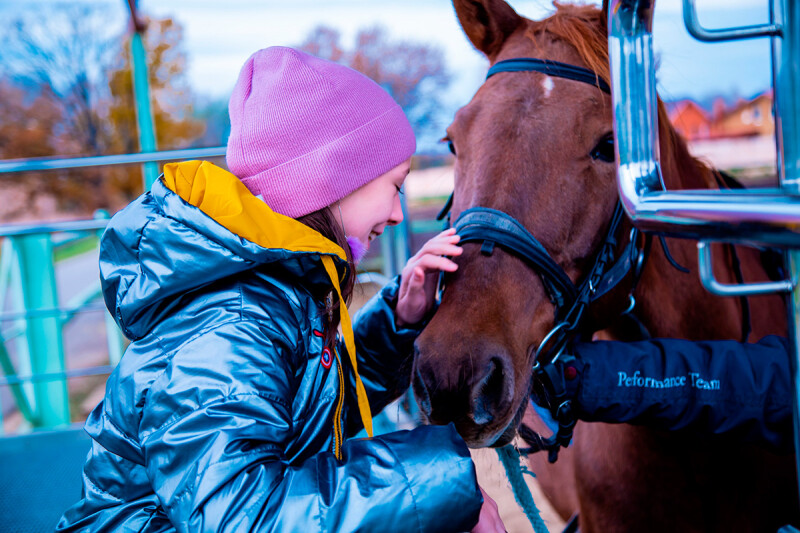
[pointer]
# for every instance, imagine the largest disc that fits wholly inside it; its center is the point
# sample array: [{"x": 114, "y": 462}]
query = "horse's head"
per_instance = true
[{"x": 539, "y": 148}]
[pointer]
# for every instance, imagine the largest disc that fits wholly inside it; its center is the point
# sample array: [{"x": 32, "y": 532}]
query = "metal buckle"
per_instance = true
[{"x": 545, "y": 342}]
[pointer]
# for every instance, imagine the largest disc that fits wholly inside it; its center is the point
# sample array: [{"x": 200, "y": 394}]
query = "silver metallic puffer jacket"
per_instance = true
[{"x": 221, "y": 414}]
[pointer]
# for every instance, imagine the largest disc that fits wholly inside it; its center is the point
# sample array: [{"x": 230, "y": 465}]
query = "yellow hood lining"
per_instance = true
[{"x": 223, "y": 197}]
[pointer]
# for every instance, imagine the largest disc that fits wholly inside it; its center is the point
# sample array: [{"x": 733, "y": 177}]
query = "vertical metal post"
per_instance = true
[
  {"x": 786, "y": 82},
  {"x": 395, "y": 245},
  {"x": 43, "y": 333},
  {"x": 22, "y": 393},
  {"x": 141, "y": 93},
  {"x": 402, "y": 234},
  {"x": 388, "y": 253}
]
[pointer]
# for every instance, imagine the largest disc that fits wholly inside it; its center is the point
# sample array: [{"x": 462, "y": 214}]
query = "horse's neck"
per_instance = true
[{"x": 675, "y": 304}]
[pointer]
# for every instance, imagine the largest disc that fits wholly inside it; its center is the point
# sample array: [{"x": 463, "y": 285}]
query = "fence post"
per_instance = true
[
  {"x": 144, "y": 112},
  {"x": 43, "y": 333}
]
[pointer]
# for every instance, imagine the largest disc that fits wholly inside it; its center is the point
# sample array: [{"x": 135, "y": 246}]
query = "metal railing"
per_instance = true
[
  {"x": 38, "y": 379},
  {"x": 37, "y": 376},
  {"x": 769, "y": 217}
]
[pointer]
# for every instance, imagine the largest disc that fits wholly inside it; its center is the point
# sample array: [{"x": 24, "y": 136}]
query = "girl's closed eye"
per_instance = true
[{"x": 400, "y": 189}]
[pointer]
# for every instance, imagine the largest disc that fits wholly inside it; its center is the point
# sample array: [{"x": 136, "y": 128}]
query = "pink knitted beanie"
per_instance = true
[{"x": 306, "y": 132}]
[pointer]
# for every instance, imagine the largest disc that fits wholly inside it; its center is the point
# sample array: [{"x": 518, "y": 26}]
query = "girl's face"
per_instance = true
[{"x": 368, "y": 210}]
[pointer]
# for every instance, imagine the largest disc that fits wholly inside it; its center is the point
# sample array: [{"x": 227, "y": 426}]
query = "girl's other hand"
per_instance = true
[
  {"x": 489, "y": 520},
  {"x": 419, "y": 277}
]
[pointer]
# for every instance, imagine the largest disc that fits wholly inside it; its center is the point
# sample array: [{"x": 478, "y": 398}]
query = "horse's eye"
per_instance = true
[
  {"x": 604, "y": 150},
  {"x": 452, "y": 147}
]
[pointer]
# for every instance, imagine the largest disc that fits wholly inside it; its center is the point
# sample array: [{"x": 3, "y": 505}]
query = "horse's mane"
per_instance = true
[{"x": 584, "y": 28}]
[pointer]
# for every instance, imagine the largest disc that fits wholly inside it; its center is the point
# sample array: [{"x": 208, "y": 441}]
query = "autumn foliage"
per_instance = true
[
  {"x": 66, "y": 90},
  {"x": 413, "y": 73}
]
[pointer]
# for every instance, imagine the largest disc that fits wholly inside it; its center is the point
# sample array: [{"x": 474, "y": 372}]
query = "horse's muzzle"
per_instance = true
[{"x": 477, "y": 398}]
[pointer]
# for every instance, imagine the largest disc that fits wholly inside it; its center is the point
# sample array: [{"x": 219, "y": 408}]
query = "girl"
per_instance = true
[{"x": 230, "y": 409}]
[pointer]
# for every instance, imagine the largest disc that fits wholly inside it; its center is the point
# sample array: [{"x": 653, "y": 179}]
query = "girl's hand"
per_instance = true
[
  {"x": 489, "y": 520},
  {"x": 419, "y": 277}
]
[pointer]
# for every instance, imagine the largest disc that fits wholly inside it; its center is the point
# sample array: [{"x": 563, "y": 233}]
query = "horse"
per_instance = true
[{"x": 539, "y": 147}]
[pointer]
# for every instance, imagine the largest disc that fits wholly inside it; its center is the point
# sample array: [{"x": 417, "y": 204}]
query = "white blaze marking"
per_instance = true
[{"x": 548, "y": 86}]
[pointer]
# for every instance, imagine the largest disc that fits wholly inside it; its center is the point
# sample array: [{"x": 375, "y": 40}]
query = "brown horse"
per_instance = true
[{"x": 539, "y": 148}]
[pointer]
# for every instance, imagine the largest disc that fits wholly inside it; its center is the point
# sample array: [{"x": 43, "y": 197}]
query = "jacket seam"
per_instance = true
[
  {"x": 124, "y": 293},
  {"x": 219, "y": 401},
  {"x": 408, "y": 482},
  {"x": 319, "y": 499},
  {"x": 98, "y": 489},
  {"x": 190, "y": 488},
  {"x": 241, "y": 300},
  {"x": 124, "y": 434},
  {"x": 169, "y": 354}
]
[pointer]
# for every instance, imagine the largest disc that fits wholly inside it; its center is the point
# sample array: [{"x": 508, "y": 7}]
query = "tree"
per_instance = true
[
  {"x": 171, "y": 100},
  {"x": 413, "y": 73},
  {"x": 70, "y": 62}
]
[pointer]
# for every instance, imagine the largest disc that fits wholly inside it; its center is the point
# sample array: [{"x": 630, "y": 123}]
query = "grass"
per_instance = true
[{"x": 73, "y": 248}]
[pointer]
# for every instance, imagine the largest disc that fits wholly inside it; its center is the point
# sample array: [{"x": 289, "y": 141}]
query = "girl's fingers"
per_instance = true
[
  {"x": 440, "y": 246},
  {"x": 437, "y": 262}
]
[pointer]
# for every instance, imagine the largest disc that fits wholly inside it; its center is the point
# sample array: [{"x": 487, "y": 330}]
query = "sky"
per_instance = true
[
  {"x": 221, "y": 39},
  {"x": 221, "y": 34}
]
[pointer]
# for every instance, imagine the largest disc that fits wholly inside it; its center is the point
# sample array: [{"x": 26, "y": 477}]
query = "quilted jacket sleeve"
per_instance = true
[
  {"x": 214, "y": 452},
  {"x": 711, "y": 387},
  {"x": 384, "y": 352}
]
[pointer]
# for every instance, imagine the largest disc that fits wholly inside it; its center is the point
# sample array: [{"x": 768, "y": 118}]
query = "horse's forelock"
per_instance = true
[{"x": 584, "y": 29}]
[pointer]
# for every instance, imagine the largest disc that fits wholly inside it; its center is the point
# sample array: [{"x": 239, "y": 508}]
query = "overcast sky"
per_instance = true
[{"x": 221, "y": 34}]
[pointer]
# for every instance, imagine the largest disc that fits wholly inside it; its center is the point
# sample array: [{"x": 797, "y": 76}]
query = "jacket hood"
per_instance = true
[{"x": 198, "y": 224}]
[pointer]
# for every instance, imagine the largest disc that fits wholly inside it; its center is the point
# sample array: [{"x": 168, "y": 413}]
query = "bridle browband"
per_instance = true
[
  {"x": 492, "y": 228},
  {"x": 552, "y": 68}
]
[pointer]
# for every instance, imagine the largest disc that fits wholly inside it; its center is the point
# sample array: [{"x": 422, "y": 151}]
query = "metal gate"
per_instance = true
[{"x": 761, "y": 217}]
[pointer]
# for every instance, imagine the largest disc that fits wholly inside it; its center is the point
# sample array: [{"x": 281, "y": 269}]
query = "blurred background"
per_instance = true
[{"x": 72, "y": 85}]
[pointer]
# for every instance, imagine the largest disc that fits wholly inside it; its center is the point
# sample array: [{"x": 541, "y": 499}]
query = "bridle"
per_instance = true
[{"x": 492, "y": 228}]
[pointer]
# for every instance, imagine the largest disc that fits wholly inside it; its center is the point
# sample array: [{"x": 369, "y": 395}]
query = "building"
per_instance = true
[
  {"x": 746, "y": 118},
  {"x": 691, "y": 120}
]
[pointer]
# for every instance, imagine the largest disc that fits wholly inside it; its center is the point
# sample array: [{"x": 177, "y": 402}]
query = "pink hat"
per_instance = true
[{"x": 306, "y": 132}]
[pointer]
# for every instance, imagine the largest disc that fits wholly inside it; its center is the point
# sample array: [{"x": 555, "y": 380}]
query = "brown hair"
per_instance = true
[{"x": 324, "y": 222}]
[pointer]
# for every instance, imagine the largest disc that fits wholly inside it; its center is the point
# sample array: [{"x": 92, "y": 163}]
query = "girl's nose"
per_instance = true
[{"x": 397, "y": 212}]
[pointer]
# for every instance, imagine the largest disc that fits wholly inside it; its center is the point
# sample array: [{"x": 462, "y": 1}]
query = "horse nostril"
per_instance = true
[{"x": 487, "y": 394}]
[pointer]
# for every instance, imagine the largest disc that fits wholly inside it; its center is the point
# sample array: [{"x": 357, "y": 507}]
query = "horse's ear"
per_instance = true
[{"x": 487, "y": 23}]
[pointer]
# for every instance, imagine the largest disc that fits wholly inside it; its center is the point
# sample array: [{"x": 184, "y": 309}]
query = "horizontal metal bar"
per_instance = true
[
  {"x": 771, "y": 217},
  {"x": 81, "y": 372},
  {"x": 768, "y": 217},
  {"x": 13, "y": 230},
  {"x": 743, "y": 289},
  {"x": 701, "y": 33},
  {"x": 51, "y": 311},
  {"x": 47, "y": 163},
  {"x": 372, "y": 277}
]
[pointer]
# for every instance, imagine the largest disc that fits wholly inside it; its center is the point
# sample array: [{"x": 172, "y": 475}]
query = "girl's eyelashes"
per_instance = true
[
  {"x": 399, "y": 189},
  {"x": 450, "y": 145}
]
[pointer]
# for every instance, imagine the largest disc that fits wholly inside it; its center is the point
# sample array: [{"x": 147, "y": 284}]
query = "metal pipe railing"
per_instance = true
[
  {"x": 49, "y": 163},
  {"x": 699, "y": 32},
  {"x": 769, "y": 217}
]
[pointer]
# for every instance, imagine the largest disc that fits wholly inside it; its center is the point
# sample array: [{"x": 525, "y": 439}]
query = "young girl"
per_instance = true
[{"x": 231, "y": 407}]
